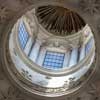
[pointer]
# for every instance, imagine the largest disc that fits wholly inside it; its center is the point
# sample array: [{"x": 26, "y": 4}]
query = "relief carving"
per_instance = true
[
  {"x": 26, "y": 2},
  {"x": 11, "y": 94},
  {"x": 3, "y": 13},
  {"x": 90, "y": 6},
  {"x": 26, "y": 74}
]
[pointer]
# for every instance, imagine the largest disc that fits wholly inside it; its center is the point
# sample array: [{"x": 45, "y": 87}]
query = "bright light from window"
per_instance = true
[{"x": 53, "y": 60}]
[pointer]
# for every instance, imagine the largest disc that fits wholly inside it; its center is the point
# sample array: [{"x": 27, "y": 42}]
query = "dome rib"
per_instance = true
[{"x": 59, "y": 20}]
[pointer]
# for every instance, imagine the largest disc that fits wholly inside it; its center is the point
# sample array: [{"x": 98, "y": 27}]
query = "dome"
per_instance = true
[
  {"x": 59, "y": 20},
  {"x": 50, "y": 65}
]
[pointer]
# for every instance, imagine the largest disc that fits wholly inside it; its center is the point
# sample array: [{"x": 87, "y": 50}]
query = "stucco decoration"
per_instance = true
[
  {"x": 90, "y": 6},
  {"x": 10, "y": 94},
  {"x": 3, "y": 13},
  {"x": 26, "y": 2}
]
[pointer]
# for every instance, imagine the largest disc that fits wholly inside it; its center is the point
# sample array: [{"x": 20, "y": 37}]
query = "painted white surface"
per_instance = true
[
  {"x": 74, "y": 56},
  {"x": 35, "y": 51},
  {"x": 40, "y": 79},
  {"x": 82, "y": 53},
  {"x": 41, "y": 56},
  {"x": 66, "y": 59},
  {"x": 28, "y": 46}
]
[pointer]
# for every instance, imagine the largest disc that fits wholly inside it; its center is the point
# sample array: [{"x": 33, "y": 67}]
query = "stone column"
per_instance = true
[
  {"x": 35, "y": 51},
  {"x": 82, "y": 53},
  {"x": 74, "y": 57},
  {"x": 41, "y": 56},
  {"x": 66, "y": 59},
  {"x": 88, "y": 46},
  {"x": 28, "y": 46}
]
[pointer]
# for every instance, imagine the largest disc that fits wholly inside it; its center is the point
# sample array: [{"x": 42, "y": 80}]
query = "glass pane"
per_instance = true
[
  {"x": 53, "y": 60},
  {"x": 22, "y": 35}
]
